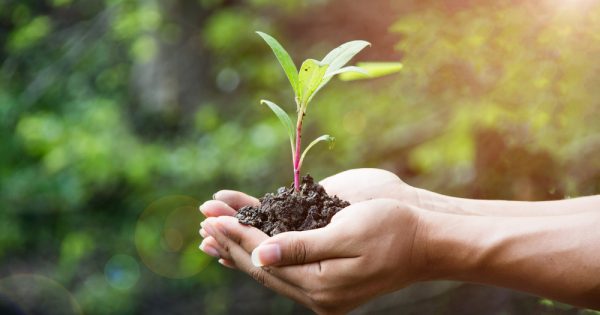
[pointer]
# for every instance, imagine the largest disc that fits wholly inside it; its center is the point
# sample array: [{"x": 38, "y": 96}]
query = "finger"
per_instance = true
[
  {"x": 211, "y": 247},
  {"x": 243, "y": 262},
  {"x": 246, "y": 236},
  {"x": 235, "y": 199},
  {"x": 249, "y": 238},
  {"x": 289, "y": 248},
  {"x": 298, "y": 248},
  {"x": 203, "y": 233},
  {"x": 313, "y": 276},
  {"x": 227, "y": 263},
  {"x": 241, "y": 258},
  {"x": 216, "y": 208}
]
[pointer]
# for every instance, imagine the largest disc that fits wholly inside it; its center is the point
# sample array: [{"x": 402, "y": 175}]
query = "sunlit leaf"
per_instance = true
[
  {"x": 328, "y": 138},
  {"x": 329, "y": 76},
  {"x": 340, "y": 56},
  {"x": 353, "y": 69},
  {"x": 284, "y": 59},
  {"x": 310, "y": 78},
  {"x": 373, "y": 70},
  {"x": 285, "y": 120}
]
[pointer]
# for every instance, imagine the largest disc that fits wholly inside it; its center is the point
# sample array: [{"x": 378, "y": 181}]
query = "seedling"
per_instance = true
[
  {"x": 308, "y": 207},
  {"x": 311, "y": 78}
]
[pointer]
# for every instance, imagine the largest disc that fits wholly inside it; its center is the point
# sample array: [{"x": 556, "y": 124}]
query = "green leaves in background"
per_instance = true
[
  {"x": 326, "y": 138},
  {"x": 284, "y": 59},
  {"x": 81, "y": 150},
  {"x": 371, "y": 70},
  {"x": 285, "y": 120}
]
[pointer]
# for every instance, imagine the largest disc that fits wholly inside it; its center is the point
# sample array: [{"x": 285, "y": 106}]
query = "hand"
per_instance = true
[
  {"x": 354, "y": 185},
  {"x": 369, "y": 248},
  {"x": 368, "y": 183}
]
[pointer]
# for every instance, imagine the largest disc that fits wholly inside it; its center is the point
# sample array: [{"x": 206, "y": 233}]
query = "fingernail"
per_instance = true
[
  {"x": 214, "y": 196},
  {"x": 201, "y": 208},
  {"x": 203, "y": 233},
  {"x": 265, "y": 255},
  {"x": 223, "y": 263},
  {"x": 209, "y": 250}
]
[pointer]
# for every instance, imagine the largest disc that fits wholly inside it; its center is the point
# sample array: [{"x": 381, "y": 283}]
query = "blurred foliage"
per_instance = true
[{"x": 118, "y": 117}]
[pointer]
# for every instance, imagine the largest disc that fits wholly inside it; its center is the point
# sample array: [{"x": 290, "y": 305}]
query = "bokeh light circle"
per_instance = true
[
  {"x": 122, "y": 272},
  {"x": 228, "y": 80},
  {"x": 166, "y": 237},
  {"x": 35, "y": 294}
]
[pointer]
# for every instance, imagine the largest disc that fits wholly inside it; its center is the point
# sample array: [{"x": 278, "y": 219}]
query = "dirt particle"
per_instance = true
[{"x": 287, "y": 210}]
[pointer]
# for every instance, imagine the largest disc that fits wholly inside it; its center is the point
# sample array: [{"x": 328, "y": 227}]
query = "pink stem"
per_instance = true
[{"x": 297, "y": 155}]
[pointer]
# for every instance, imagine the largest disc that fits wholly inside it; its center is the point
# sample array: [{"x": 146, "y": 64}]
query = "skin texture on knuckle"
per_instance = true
[
  {"x": 299, "y": 251},
  {"x": 259, "y": 275}
]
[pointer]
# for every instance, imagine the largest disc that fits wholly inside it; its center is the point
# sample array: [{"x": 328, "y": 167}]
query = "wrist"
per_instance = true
[
  {"x": 453, "y": 246},
  {"x": 432, "y": 201}
]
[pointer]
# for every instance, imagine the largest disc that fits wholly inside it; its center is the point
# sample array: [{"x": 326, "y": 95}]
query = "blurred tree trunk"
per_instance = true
[{"x": 175, "y": 81}]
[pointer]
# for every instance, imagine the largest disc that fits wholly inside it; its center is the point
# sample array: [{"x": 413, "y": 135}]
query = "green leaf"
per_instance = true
[
  {"x": 374, "y": 69},
  {"x": 310, "y": 78},
  {"x": 327, "y": 138},
  {"x": 340, "y": 56},
  {"x": 285, "y": 120},
  {"x": 329, "y": 76},
  {"x": 284, "y": 59},
  {"x": 347, "y": 69}
]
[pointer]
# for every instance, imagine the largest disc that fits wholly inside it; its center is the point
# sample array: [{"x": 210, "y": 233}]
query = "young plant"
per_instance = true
[{"x": 311, "y": 78}]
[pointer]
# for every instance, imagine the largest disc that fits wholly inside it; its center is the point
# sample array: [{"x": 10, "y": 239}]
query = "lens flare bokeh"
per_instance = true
[
  {"x": 166, "y": 237},
  {"x": 35, "y": 294}
]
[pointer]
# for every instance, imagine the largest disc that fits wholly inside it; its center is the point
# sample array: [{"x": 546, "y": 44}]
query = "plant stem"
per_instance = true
[{"x": 298, "y": 151}]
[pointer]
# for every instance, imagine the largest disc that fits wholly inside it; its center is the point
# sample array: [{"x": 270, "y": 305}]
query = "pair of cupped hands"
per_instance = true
[{"x": 371, "y": 247}]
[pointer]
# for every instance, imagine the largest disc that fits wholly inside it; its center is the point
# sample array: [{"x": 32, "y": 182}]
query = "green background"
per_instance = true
[{"x": 118, "y": 118}]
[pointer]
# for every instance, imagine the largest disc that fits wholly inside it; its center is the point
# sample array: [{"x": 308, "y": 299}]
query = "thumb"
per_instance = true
[{"x": 301, "y": 247}]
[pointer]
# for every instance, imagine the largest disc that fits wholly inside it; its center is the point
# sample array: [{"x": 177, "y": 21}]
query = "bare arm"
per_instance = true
[
  {"x": 555, "y": 256},
  {"x": 447, "y": 204},
  {"x": 368, "y": 183}
]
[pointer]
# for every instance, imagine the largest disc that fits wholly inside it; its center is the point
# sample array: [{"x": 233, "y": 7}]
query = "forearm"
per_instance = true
[
  {"x": 556, "y": 257},
  {"x": 447, "y": 204}
]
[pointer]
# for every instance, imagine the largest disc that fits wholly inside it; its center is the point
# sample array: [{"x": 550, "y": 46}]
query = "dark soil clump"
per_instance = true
[{"x": 311, "y": 208}]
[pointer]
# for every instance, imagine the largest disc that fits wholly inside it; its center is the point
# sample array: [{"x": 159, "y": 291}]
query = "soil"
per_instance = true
[{"x": 288, "y": 210}]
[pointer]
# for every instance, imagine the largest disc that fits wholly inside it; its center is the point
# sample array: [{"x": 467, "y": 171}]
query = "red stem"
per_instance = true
[{"x": 297, "y": 155}]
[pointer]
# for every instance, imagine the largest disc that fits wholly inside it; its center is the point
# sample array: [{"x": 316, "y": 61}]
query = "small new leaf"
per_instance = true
[
  {"x": 284, "y": 59},
  {"x": 373, "y": 69},
  {"x": 328, "y": 138},
  {"x": 310, "y": 78},
  {"x": 285, "y": 120}
]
